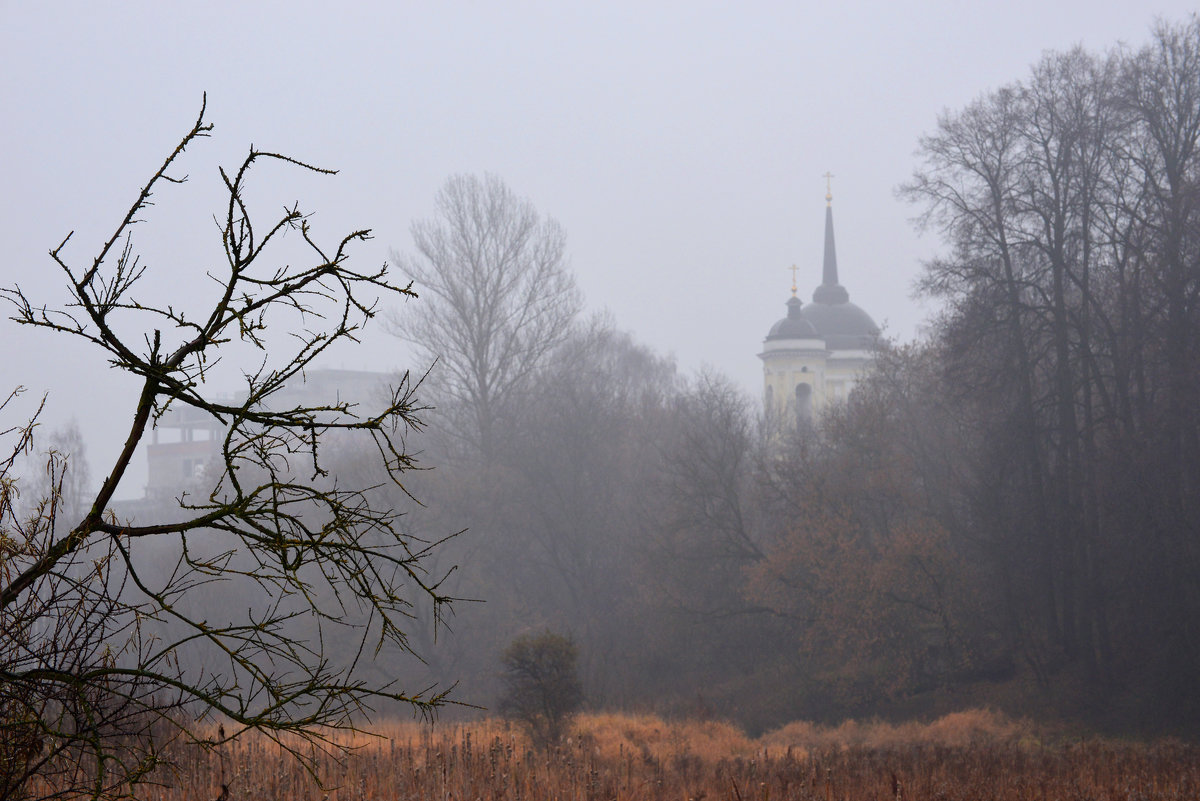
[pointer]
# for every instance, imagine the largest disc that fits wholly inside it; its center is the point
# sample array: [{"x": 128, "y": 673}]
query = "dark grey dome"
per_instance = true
[
  {"x": 839, "y": 322},
  {"x": 794, "y": 326},
  {"x": 843, "y": 326},
  {"x": 831, "y": 316}
]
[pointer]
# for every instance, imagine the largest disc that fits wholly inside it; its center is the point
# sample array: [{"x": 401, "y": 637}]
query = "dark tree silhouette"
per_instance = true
[
  {"x": 102, "y": 660},
  {"x": 542, "y": 688}
]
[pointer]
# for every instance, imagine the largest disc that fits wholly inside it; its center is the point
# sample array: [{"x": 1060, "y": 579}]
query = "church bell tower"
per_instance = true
[{"x": 814, "y": 355}]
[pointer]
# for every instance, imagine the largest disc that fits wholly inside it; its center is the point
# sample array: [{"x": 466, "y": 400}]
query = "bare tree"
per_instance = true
[
  {"x": 1070, "y": 339},
  {"x": 103, "y": 660},
  {"x": 542, "y": 687},
  {"x": 498, "y": 298},
  {"x": 62, "y": 467}
]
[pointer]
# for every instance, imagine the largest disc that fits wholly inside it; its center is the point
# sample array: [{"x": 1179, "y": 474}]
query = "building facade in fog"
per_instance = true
[
  {"x": 185, "y": 440},
  {"x": 814, "y": 355}
]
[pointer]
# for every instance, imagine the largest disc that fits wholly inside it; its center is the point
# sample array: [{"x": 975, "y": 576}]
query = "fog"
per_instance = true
[
  {"x": 996, "y": 501},
  {"x": 681, "y": 146}
]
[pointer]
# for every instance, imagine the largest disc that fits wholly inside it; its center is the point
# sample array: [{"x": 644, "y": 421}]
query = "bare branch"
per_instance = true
[{"x": 106, "y": 657}]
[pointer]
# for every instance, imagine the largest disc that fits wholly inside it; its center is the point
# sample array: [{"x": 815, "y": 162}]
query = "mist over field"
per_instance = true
[
  {"x": 682, "y": 148},
  {"x": 756, "y": 366}
]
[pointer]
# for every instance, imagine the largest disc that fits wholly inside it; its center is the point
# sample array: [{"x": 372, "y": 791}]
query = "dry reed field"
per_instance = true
[{"x": 970, "y": 756}]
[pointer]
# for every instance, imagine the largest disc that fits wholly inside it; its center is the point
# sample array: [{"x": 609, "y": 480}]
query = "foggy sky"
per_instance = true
[{"x": 681, "y": 145}]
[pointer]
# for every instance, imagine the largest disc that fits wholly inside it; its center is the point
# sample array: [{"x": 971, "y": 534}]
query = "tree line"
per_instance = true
[{"x": 1008, "y": 507}]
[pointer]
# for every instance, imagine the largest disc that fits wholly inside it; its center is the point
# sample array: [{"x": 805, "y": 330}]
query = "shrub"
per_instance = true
[{"x": 542, "y": 688}]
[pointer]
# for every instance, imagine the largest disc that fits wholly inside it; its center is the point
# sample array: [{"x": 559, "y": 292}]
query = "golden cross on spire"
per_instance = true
[
  {"x": 793, "y": 268},
  {"x": 828, "y": 176}
]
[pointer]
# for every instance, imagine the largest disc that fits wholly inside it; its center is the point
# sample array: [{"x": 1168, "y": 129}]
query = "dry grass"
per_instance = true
[
  {"x": 969, "y": 755},
  {"x": 973, "y": 727}
]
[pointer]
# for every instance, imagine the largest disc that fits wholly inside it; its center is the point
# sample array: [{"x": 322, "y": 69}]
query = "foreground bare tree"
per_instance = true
[{"x": 105, "y": 658}]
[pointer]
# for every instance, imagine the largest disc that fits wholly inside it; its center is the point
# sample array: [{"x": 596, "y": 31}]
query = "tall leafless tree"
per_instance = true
[
  {"x": 1070, "y": 202},
  {"x": 496, "y": 299}
]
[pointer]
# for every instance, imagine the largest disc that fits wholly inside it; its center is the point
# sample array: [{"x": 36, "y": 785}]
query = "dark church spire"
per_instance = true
[
  {"x": 829, "y": 275},
  {"x": 830, "y": 291}
]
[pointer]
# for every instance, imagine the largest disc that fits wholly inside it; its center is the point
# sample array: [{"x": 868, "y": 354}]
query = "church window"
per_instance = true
[{"x": 804, "y": 408}]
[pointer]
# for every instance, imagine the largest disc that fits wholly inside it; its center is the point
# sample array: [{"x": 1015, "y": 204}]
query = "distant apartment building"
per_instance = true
[{"x": 186, "y": 440}]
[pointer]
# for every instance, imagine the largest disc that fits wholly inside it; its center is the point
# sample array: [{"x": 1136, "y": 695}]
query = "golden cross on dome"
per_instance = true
[
  {"x": 793, "y": 268},
  {"x": 828, "y": 176}
]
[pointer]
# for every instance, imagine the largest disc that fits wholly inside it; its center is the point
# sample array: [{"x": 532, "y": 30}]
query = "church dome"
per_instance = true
[
  {"x": 843, "y": 326},
  {"x": 839, "y": 322},
  {"x": 794, "y": 326}
]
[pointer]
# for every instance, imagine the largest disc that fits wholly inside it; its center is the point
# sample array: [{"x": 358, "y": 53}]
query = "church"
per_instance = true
[{"x": 813, "y": 356}]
